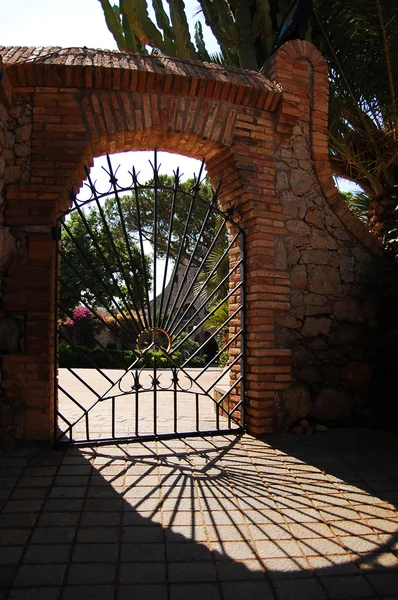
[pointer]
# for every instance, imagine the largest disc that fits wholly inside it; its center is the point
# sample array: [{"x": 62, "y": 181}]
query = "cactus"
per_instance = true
[
  {"x": 184, "y": 45},
  {"x": 244, "y": 29}
]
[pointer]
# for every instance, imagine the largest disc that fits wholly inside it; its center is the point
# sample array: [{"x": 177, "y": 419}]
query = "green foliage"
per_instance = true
[
  {"x": 79, "y": 356},
  {"x": 359, "y": 40},
  {"x": 359, "y": 204},
  {"x": 245, "y": 31},
  {"x": 217, "y": 320},
  {"x": 96, "y": 265},
  {"x": 171, "y": 204}
]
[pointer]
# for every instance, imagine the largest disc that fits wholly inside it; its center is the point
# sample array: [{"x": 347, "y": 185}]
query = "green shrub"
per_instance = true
[{"x": 74, "y": 357}]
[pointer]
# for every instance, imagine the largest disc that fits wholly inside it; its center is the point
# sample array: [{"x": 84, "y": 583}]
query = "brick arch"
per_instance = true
[{"x": 67, "y": 106}]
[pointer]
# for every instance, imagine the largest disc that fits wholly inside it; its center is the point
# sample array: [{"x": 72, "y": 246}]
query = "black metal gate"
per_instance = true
[{"x": 150, "y": 319}]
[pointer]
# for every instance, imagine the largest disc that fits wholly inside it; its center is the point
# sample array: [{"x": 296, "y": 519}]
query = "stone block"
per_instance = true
[
  {"x": 280, "y": 254},
  {"x": 298, "y": 227},
  {"x": 287, "y": 320},
  {"x": 315, "y": 300},
  {"x": 347, "y": 269},
  {"x": 299, "y": 277},
  {"x": 314, "y": 326},
  {"x": 316, "y": 257},
  {"x": 321, "y": 240},
  {"x": 296, "y": 402},
  {"x": 344, "y": 334},
  {"x": 332, "y": 405},
  {"x": 357, "y": 375},
  {"x": 326, "y": 309},
  {"x": 302, "y": 355},
  {"x": 293, "y": 206},
  {"x": 301, "y": 181},
  {"x": 309, "y": 374},
  {"x": 324, "y": 280},
  {"x": 348, "y": 310},
  {"x": 315, "y": 217},
  {"x": 9, "y": 335},
  {"x": 23, "y": 134}
]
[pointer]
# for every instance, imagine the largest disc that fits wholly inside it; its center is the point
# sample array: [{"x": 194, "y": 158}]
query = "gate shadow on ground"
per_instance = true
[{"x": 220, "y": 518}]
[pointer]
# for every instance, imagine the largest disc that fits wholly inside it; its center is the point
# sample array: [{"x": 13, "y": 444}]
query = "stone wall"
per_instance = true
[
  {"x": 11, "y": 325},
  {"x": 333, "y": 315},
  {"x": 329, "y": 255}
]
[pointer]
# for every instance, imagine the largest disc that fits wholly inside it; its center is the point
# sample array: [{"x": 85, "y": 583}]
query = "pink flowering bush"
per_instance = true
[{"x": 82, "y": 328}]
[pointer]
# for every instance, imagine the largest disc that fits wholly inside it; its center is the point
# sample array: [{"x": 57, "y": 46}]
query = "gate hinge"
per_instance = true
[{"x": 56, "y": 233}]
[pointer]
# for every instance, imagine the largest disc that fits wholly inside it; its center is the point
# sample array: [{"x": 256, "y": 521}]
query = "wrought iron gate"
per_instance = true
[{"x": 150, "y": 312}]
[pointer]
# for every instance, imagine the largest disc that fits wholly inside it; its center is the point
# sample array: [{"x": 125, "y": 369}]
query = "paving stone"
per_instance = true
[
  {"x": 37, "y": 593},
  {"x": 228, "y": 533},
  {"x": 180, "y": 551},
  {"x": 58, "y": 519},
  {"x": 349, "y": 587},
  {"x": 108, "y": 504},
  {"x": 39, "y": 575},
  {"x": 53, "y": 535},
  {"x": 320, "y": 547},
  {"x": 384, "y": 583},
  {"x": 368, "y": 543},
  {"x": 11, "y": 555},
  {"x": 306, "y": 515},
  {"x": 219, "y": 517},
  {"x": 67, "y": 492},
  {"x": 240, "y": 570},
  {"x": 195, "y": 591},
  {"x": 97, "y": 534},
  {"x": 278, "y": 549},
  {"x": 46, "y": 554},
  {"x": 299, "y": 589},
  {"x": 87, "y": 553},
  {"x": 22, "y": 506},
  {"x": 340, "y": 564},
  {"x": 144, "y": 592},
  {"x": 270, "y": 532},
  {"x": 103, "y": 519},
  {"x": 185, "y": 533},
  {"x": 91, "y": 573},
  {"x": 60, "y": 505},
  {"x": 243, "y": 590},
  {"x": 312, "y": 530},
  {"x": 7, "y": 574},
  {"x": 286, "y": 568},
  {"x": 142, "y": 552},
  {"x": 13, "y": 537},
  {"x": 378, "y": 562},
  {"x": 143, "y": 534},
  {"x": 338, "y": 513},
  {"x": 191, "y": 571},
  {"x": 88, "y": 592},
  {"x": 29, "y": 493},
  {"x": 140, "y": 572},
  {"x": 341, "y": 528},
  {"x": 384, "y": 525},
  {"x": 17, "y": 520}
]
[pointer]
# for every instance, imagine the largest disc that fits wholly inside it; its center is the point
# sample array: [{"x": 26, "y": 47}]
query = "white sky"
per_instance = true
[{"x": 77, "y": 23}]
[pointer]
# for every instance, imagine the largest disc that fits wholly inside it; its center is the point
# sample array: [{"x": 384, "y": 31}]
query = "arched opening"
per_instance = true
[{"x": 150, "y": 304}]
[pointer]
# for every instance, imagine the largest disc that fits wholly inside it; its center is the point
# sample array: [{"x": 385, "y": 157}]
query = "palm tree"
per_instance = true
[{"x": 358, "y": 39}]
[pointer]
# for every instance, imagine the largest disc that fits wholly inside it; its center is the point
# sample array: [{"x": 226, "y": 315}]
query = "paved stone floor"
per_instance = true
[
  {"x": 310, "y": 517},
  {"x": 86, "y": 385}
]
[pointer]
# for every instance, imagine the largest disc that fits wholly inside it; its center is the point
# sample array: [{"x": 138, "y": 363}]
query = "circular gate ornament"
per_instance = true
[{"x": 155, "y": 336}]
